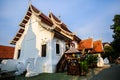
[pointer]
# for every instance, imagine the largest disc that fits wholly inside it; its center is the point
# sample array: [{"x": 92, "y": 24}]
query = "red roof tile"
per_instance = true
[
  {"x": 6, "y": 52},
  {"x": 85, "y": 44},
  {"x": 97, "y": 46}
]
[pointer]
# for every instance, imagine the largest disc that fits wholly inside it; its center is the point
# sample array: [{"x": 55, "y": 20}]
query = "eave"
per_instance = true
[
  {"x": 25, "y": 20},
  {"x": 59, "y": 22},
  {"x": 60, "y": 36},
  {"x": 86, "y": 44},
  {"x": 61, "y": 28},
  {"x": 97, "y": 47}
]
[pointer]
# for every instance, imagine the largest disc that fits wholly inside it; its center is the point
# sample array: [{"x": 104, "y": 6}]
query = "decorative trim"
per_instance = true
[
  {"x": 29, "y": 12},
  {"x": 22, "y": 27},
  {"x": 57, "y": 25},
  {"x": 26, "y": 20},
  {"x": 28, "y": 16},
  {"x": 23, "y": 24},
  {"x": 34, "y": 12},
  {"x": 17, "y": 37},
  {"x": 45, "y": 26}
]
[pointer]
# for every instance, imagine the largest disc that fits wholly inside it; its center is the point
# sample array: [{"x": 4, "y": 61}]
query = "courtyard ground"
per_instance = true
[
  {"x": 64, "y": 76},
  {"x": 104, "y": 73}
]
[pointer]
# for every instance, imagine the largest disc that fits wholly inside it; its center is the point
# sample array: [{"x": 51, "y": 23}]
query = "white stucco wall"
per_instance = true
[
  {"x": 32, "y": 39},
  {"x": 30, "y": 44},
  {"x": 48, "y": 63},
  {"x": 56, "y": 57}
]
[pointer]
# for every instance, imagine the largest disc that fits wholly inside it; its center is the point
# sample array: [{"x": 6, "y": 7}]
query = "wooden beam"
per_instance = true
[
  {"x": 22, "y": 27},
  {"x": 29, "y": 12},
  {"x": 17, "y": 37},
  {"x": 25, "y": 19},
  {"x": 28, "y": 16},
  {"x": 22, "y": 24}
]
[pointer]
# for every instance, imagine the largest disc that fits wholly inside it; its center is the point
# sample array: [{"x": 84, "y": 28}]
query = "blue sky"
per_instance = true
[{"x": 87, "y": 18}]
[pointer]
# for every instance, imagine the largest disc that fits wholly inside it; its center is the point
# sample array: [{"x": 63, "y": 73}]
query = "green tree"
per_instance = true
[
  {"x": 108, "y": 49},
  {"x": 116, "y": 35},
  {"x": 109, "y": 53}
]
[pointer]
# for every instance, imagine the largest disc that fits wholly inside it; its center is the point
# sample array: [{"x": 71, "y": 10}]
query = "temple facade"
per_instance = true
[{"x": 40, "y": 42}]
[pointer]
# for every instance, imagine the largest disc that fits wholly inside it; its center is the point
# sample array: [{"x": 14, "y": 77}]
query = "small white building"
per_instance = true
[{"x": 41, "y": 41}]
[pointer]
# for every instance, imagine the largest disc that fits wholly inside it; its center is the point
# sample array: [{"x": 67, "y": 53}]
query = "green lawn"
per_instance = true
[
  {"x": 52, "y": 76},
  {"x": 58, "y": 76},
  {"x": 61, "y": 76}
]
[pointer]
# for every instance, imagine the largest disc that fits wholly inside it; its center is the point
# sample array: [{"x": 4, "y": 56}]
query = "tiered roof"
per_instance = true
[
  {"x": 85, "y": 44},
  {"x": 89, "y": 44},
  {"x": 97, "y": 46},
  {"x": 54, "y": 23},
  {"x": 72, "y": 50},
  {"x": 6, "y": 52}
]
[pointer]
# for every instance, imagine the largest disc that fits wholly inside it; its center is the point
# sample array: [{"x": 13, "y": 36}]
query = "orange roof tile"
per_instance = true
[
  {"x": 6, "y": 52},
  {"x": 85, "y": 44},
  {"x": 97, "y": 46}
]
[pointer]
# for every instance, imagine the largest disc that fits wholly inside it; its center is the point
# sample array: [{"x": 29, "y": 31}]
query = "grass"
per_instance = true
[
  {"x": 59, "y": 76},
  {"x": 52, "y": 76}
]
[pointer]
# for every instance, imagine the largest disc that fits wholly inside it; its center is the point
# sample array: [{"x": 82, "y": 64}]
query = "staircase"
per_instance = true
[{"x": 61, "y": 64}]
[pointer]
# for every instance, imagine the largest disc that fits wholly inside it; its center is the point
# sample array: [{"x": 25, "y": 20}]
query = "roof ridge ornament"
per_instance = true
[
  {"x": 48, "y": 28},
  {"x": 56, "y": 23},
  {"x": 37, "y": 14}
]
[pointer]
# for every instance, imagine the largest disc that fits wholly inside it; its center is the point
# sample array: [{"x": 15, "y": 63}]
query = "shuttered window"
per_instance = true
[
  {"x": 43, "y": 50},
  {"x": 57, "y": 48},
  {"x": 19, "y": 51}
]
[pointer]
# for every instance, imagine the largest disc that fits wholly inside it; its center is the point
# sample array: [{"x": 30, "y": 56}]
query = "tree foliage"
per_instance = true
[
  {"x": 116, "y": 35},
  {"x": 108, "y": 51}
]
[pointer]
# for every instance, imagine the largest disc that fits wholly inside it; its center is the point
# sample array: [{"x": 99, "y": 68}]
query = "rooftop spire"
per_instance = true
[{"x": 29, "y": 2}]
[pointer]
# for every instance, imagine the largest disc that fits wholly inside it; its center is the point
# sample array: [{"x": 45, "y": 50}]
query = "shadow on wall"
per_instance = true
[{"x": 28, "y": 47}]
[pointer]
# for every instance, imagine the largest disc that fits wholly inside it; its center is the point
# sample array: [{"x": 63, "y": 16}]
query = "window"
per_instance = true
[
  {"x": 57, "y": 48},
  {"x": 67, "y": 47},
  {"x": 19, "y": 51},
  {"x": 72, "y": 45},
  {"x": 43, "y": 50}
]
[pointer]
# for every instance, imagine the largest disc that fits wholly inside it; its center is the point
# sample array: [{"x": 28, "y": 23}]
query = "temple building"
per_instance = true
[
  {"x": 86, "y": 44},
  {"x": 41, "y": 41},
  {"x": 91, "y": 46}
]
